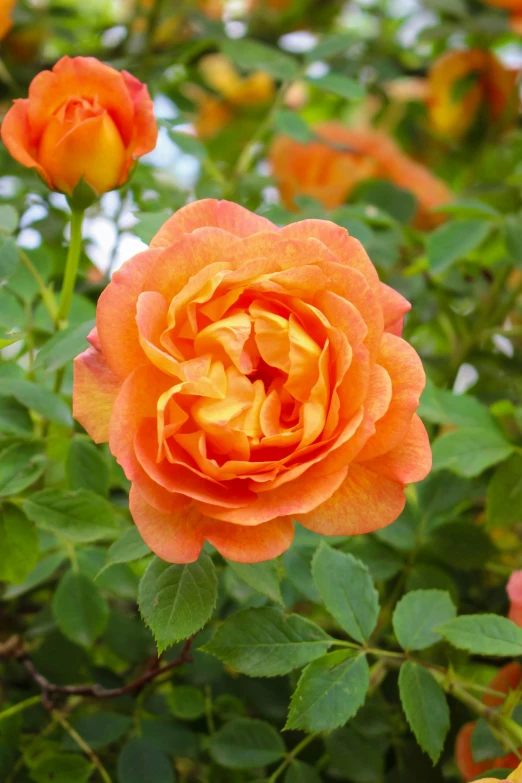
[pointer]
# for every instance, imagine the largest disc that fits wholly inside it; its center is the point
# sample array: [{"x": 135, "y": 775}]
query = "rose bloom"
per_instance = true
[
  {"x": 492, "y": 88},
  {"x": 84, "y": 120},
  {"x": 514, "y": 591},
  {"x": 245, "y": 375},
  {"x": 507, "y": 679},
  {"x": 6, "y": 21},
  {"x": 328, "y": 171}
]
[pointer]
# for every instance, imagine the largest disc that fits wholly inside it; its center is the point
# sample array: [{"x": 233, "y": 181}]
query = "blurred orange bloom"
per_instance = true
[
  {"x": 246, "y": 375},
  {"x": 328, "y": 170},
  {"x": 507, "y": 679},
  {"x": 6, "y": 21},
  {"x": 514, "y": 591},
  {"x": 84, "y": 120},
  {"x": 235, "y": 91},
  {"x": 461, "y": 84}
]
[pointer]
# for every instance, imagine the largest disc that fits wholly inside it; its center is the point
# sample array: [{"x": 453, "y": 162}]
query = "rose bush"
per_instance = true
[
  {"x": 82, "y": 120},
  {"x": 246, "y": 375},
  {"x": 330, "y": 168}
]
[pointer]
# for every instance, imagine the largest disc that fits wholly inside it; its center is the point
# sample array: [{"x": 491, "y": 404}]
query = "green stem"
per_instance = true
[
  {"x": 46, "y": 293},
  {"x": 91, "y": 755},
  {"x": 71, "y": 268},
  {"x": 291, "y": 756},
  {"x": 20, "y": 707}
]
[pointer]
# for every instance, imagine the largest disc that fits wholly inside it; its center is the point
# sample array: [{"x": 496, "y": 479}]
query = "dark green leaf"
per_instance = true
[
  {"x": 98, "y": 729},
  {"x": 186, "y": 702},
  {"x": 263, "y": 577},
  {"x": 330, "y": 691},
  {"x": 244, "y": 743},
  {"x": 401, "y": 204},
  {"x": 177, "y": 600},
  {"x": 141, "y": 761},
  {"x": 462, "y": 545},
  {"x": 484, "y": 634},
  {"x": 266, "y": 642},
  {"x": 42, "y": 571},
  {"x": 36, "y": 398},
  {"x": 454, "y": 241},
  {"x": 62, "y": 768},
  {"x": 79, "y": 609},
  {"x": 425, "y": 706},
  {"x": 484, "y": 745},
  {"x": 21, "y": 464},
  {"x": 347, "y": 590},
  {"x": 63, "y": 347},
  {"x": 86, "y": 467},
  {"x": 504, "y": 502},
  {"x": 416, "y": 616},
  {"x": 299, "y": 772},
  {"x": 127, "y": 548},
  {"x": 513, "y": 238},
  {"x": 79, "y": 515}
]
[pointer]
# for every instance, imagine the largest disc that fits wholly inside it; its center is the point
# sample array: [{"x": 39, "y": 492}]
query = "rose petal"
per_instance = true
[
  {"x": 408, "y": 462},
  {"x": 95, "y": 390}
]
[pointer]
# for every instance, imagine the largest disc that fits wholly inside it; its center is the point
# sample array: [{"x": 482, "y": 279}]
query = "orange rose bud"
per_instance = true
[
  {"x": 514, "y": 591},
  {"x": 506, "y": 680},
  {"x": 245, "y": 376},
  {"x": 6, "y": 21},
  {"x": 461, "y": 83},
  {"x": 82, "y": 120},
  {"x": 329, "y": 170}
]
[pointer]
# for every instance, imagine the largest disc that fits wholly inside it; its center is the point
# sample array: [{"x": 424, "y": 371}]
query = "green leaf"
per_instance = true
[
  {"x": 86, "y": 467},
  {"x": 330, "y": 691},
  {"x": 79, "y": 609},
  {"x": 291, "y": 124},
  {"x": 189, "y": 145},
  {"x": 347, "y": 590},
  {"x": 14, "y": 418},
  {"x": 62, "y": 768},
  {"x": 484, "y": 745},
  {"x": 299, "y": 772},
  {"x": 98, "y": 729},
  {"x": 21, "y": 464},
  {"x": 18, "y": 545},
  {"x": 8, "y": 218},
  {"x": 263, "y": 577},
  {"x": 462, "y": 545},
  {"x": 484, "y": 634},
  {"x": 401, "y": 204},
  {"x": 148, "y": 225},
  {"x": 461, "y": 410},
  {"x": 10, "y": 336},
  {"x": 129, "y": 547},
  {"x": 42, "y": 571},
  {"x": 469, "y": 207},
  {"x": 186, "y": 702},
  {"x": 454, "y": 241},
  {"x": 330, "y": 46},
  {"x": 140, "y": 761},
  {"x": 63, "y": 347},
  {"x": 504, "y": 500},
  {"x": 255, "y": 56},
  {"x": 9, "y": 257},
  {"x": 244, "y": 743},
  {"x": 177, "y": 600},
  {"x": 48, "y": 405},
  {"x": 266, "y": 642},
  {"x": 468, "y": 452},
  {"x": 79, "y": 515},
  {"x": 425, "y": 707},
  {"x": 416, "y": 616},
  {"x": 513, "y": 238},
  {"x": 339, "y": 84}
]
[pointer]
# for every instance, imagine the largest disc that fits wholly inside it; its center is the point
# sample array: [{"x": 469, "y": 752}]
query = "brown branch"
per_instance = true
[{"x": 97, "y": 691}]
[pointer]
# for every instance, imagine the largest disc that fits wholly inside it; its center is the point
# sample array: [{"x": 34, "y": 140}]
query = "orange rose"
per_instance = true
[
  {"x": 507, "y": 679},
  {"x": 329, "y": 171},
  {"x": 6, "y": 21},
  {"x": 84, "y": 120},
  {"x": 245, "y": 375},
  {"x": 461, "y": 83}
]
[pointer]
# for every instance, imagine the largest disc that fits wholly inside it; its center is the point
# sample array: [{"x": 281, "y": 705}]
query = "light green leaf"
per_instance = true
[
  {"x": 484, "y": 634},
  {"x": 79, "y": 609},
  {"x": 188, "y": 144},
  {"x": 140, "y": 761},
  {"x": 42, "y": 571},
  {"x": 330, "y": 691},
  {"x": 186, "y": 702},
  {"x": 469, "y": 207},
  {"x": 468, "y": 452},
  {"x": 9, "y": 257},
  {"x": 21, "y": 464},
  {"x": 244, "y": 743},
  {"x": 256, "y": 56},
  {"x": 148, "y": 225},
  {"x": 339, "y": 84},
  {"x": 266, "y": 642},
  {"x": 42, "y": 401},
  {"x": 347, "y": 590},
  {"x": 86, "y": 467},
  {"x": 79, "y": 515},
  {"x": 425, "y": 707},
  {"x": 8, "y": 218},
  {"x": 177, "y": 600},
  {"x": 63, "y": 347},
  {"x": 18, "y": 545},
  {"x": 504, "y": 500},
  {"x": 291, "y": 124},
  {"x": 331, "y": 46},
  {"x": 461, "y": 410},
  {"x": 454, "y": 241},
  {"x": 416, "y": 616},
  {"x": 263, "y": 577},
  {"x": 129, "y": 547},
  {"x": 513, "y": 238}
]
